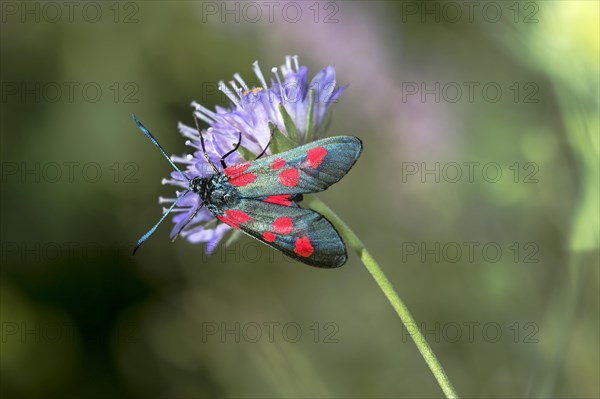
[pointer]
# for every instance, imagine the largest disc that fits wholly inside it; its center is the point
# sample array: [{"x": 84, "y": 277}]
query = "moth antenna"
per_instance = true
[
  {"x": 149, "y": 233},
  {"x": 155, "y": 142},
  {"x": 202, "y": 143},
  {"x": 267, "y": 146}
]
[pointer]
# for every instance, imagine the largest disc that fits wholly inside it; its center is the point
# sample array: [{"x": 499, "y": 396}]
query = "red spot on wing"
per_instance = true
[
  {"x": 289, "y": 177},
  {"x": 238, "y": 216},
  {"x": 242, "y": 180},
  {"x": 234, "y": 218},
  {"x": 236, "y": 174},
  {"x": 283, "y": 199},
  {"x": 277, "y": 163},
  {"x": 303, "y": 247},
  {"x": 268, "y": 236},
  {"x": 282, "y": 225},
  {"x": 236, "y": 170},
  {"x": 315, "y": 156}
]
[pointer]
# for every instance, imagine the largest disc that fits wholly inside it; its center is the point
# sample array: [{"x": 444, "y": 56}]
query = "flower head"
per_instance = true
[{"x": 296, "y": 108}]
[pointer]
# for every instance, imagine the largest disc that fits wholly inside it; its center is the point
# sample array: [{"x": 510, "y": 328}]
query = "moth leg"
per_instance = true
[
  {"x": 192, "y": 216},
  {"x": 297, "y": 198},
  {"x": 265, "y": 149},
  {"x": 223, "y": 164}
]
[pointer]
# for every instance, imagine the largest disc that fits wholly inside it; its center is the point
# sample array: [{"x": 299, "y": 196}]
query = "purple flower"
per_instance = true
[
  {"x": 253, "y": 108},
  {"x": 250, "y": 111}
]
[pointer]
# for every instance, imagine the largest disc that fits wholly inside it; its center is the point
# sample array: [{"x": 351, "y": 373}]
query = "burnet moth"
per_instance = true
[{"x": 261, "y": 197}]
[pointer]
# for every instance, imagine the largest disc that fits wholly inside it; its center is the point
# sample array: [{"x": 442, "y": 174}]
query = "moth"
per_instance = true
[{"x": 261, "y": 197}]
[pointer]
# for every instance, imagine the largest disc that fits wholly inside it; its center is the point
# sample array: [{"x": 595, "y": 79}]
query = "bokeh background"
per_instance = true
[{"x": 508, "y": 87}]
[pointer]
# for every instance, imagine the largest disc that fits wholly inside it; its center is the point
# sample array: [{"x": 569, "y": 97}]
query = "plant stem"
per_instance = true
[
  {"x": 409, "y": 323},
  {"x": 568, "y": 317}
]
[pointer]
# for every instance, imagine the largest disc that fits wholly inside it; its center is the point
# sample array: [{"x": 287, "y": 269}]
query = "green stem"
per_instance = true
[
  {"x": 354, "y": 242},
  {"x": 569, "y": 302}
]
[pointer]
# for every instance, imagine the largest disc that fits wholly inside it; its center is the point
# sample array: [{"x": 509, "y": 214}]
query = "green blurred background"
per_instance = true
[{"x": 517, "y": 317}]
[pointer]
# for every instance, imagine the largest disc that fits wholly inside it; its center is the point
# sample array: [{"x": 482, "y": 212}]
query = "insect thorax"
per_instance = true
[{"x": 216, "y": 192}]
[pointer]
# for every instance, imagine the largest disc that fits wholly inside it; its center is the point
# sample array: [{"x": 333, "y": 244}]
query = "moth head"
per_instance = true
[{"x": 197, "y": 184}]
